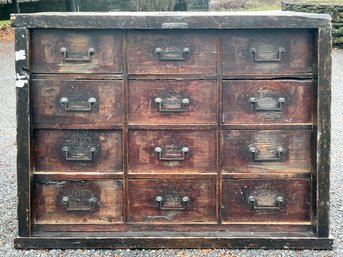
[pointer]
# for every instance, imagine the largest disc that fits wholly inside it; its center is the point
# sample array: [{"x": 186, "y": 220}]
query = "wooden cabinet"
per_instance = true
[{"x": 171, "y": 130}]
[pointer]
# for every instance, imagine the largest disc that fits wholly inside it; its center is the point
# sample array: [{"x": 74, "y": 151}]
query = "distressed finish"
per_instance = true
[
  {"x": 200, "y": 207},
  {"x": 271, "y": 52},
  {"x": 82, "y": 51},
  {"x": 77, "y": 150},
  {"x": 171, "y": 52},
  {"x": 77, "y": 102},
  {"x": 172, "y": 102},
  {"x": 169, "y": 130},
  {"x": 77, "y": 202},
  {"x": 261, "y": 151},
  {"x": 267, "y": 102},
  {"x": 199, "y": 158},
  {"x": 266, "y": 200}
]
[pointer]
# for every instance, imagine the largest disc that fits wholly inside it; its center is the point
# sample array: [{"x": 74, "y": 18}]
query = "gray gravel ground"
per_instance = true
[{"x": 8, "y": 224}]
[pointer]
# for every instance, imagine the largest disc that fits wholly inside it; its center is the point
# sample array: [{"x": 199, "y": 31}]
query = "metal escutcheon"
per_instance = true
[
  {"x": 184, "y": 201},
  {"x": 159, "y": 151},
  {"x": 255, "y": 206},
  {"x": 79, "y": 156},
  {"x": 172, "y": 55},
  {"x": 183, "y": 104},
  {"x": 255, "y": 158},
  {"x": 73, "y": 107},
  {"x": 87, "y": 58}
]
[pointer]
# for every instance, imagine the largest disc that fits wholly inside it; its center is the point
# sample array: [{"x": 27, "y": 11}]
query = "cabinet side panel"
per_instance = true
[
  {"x": 323, "y": 131},
  {"x": 23, "y": 130}
]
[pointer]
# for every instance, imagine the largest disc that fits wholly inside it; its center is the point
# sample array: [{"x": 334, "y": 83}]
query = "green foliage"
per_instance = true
[{"x": 4, "y": 23}]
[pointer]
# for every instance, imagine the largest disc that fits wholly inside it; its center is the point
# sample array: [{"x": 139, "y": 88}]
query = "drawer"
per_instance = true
[
  {"x": 271, "y": 151},
  {"x": 77, "y": 202},
  {"x": 172, "y": 52},
  {"x": 172, "y": 102},
  {"x": 172, "y": 151},
  {"x": 78, "y": 150},
  {"x": 77, "y": 102},
  {"x": 267, "y": 102},
  {"x": 172, "y": 200},
  {"x": 76, "y": 51},
  {"x": 266, "y": 200},
  {"x": 271, "y": 52}
]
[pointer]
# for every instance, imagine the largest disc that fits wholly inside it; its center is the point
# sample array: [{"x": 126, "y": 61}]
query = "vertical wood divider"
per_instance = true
[
  {"x": 125, "y": 130},
  {"x": 219, "y": 111}
]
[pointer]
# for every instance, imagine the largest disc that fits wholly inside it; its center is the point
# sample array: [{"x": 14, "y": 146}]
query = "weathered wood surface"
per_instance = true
[
  {"x": 182, "y": 102},
  {"x": 200, "y": 208},
  {"x": 238, "y": 156},
  {"x": 78, "y": 151},
  {"x": 24, "y": 172},
  {"x": 323, "y": 124},
  {"x": 155, "y": 20},
  {"x": 86, "y": 102},
  {"x": 85, "y": 51},
  {"x": 77, "y": 202},
  {"x": 172, "y": 52},
  {"x": 267, "y": 102},
  {"x": 199, "y": 163},
  {"x": 267, "y": 52},
  {"x": 158, "y": 241},
  {"x": 294, "y": 197},
  {"x": 200, "y": 157}
]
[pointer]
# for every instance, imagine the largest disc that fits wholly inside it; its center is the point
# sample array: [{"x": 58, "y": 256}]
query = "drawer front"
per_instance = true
[
  {"x": 263, "y": 102},
  {"x": 77, "y": 202},
  {"x": 77, "y": 102},
  {"x": 172, "y": 201},
  {"x": 76, "y": 51},
  {"x": 172, "y": 151},
  {"x": 172, "y": 102},
  {"x": 267, "y": 52},
  {"x": 172, "y": 52},
  {"x": 78, "y": 150},
  {"x": 266, "y": 200},
  {"x": 274, "y": 151}
]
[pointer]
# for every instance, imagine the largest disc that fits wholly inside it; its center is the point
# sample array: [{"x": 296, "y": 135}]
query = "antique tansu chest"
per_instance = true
[{"x": 173, "y": 130}]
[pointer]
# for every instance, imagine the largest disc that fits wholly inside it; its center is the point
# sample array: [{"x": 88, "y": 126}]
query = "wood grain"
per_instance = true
[
  {"x": 296, "y": 108},
  {"x": 199, "y": 159},
  {"x": 201, "y": 58},
  {"x": 47, "y": 107},
  {"x": 202, "y": 107},
  {"x": 237, "y": 158},
  {"x": 47, "y": 57},
  {"x": 296, "y": 58},
  {"x": 51, "y": 156},
  {"x": 201, "y": 207},
  {"x": 295, "y": 206},
  {"x": 48, "y": 207}
]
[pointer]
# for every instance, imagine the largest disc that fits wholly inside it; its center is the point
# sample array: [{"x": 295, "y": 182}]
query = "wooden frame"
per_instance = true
[{"x": 315, "y": 235}]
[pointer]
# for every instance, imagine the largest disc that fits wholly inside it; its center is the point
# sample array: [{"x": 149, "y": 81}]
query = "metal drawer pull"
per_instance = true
[
  {"x": 87, "y": 58},
  {"x": 172, "y": 55},
  {"x": 255, "y": 206},
  {"x": 80, "y": 204},
  {"x": 159, "y": 151},
  {"x": 185, "y": 200},
  {"x": 79, "y": 156},
  {"x": 69, "y": 107},
  {"x": 277, "y": 108},
  {"x": 258, "y": 59},
  {"x": 254, "y": 151},
  {"x": 183, "y": 104}
]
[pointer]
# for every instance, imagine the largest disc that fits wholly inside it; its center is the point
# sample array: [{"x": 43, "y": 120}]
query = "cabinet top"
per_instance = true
[{"x": 171, "y": 20}]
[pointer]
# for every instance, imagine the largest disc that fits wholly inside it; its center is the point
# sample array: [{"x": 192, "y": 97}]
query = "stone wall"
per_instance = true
[{"x": 335, "y": 10}]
